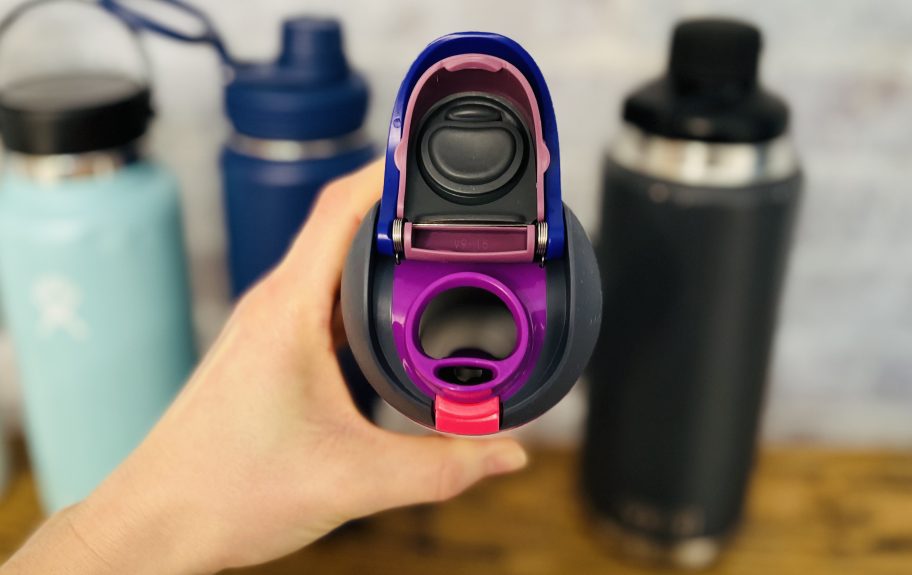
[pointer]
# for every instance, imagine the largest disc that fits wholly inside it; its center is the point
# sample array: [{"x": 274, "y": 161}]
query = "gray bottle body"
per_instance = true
[{"x": 693, "y": 251}]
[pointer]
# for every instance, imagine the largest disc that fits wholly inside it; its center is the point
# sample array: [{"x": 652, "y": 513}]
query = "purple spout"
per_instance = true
[{"x": 521, "y": 289}]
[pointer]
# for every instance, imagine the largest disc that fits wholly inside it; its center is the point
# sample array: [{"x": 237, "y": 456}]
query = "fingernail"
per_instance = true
[{"x": 505, "y": 460}]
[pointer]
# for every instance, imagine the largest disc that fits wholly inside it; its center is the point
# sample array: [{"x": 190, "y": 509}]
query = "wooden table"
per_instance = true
[{"x": 812, "y": 511}]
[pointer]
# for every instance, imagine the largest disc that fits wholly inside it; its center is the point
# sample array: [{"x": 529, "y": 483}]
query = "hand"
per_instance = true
[{"x": 263, "y": 451}]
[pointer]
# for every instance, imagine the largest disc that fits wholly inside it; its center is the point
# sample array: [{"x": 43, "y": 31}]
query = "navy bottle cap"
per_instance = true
[
  {"x": 309, "y": 93},
  {"x": 710, "y": 91},
  {"x": 71, "y": 113}
]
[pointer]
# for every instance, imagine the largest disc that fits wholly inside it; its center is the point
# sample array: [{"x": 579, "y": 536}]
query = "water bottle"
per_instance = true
[
  {"x": 92, "y": 271},
  {"x": 700, "y": 197},
  {"x": 297, "y": 125},
  {"x": 471, "y": 294}
]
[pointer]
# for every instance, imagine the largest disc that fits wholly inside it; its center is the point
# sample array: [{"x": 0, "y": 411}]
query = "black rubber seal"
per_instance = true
[{"x": 472, "y": 148}]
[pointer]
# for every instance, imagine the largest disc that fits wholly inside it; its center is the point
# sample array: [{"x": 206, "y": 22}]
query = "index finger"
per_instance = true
[{"x": 318, "y": 253}]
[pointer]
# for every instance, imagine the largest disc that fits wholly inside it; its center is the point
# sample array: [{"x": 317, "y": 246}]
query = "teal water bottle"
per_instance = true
[{"x": 92, "y": 272}]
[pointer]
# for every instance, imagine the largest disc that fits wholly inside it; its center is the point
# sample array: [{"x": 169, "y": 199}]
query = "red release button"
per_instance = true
[{"x": 480, "y": 418}]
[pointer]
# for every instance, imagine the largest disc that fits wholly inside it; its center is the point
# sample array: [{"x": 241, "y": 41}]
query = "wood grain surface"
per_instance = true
[{"x": 811, "y": 511}]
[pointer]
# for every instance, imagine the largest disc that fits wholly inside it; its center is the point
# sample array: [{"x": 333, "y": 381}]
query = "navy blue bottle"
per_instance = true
[{"x": 297, "y": 125}]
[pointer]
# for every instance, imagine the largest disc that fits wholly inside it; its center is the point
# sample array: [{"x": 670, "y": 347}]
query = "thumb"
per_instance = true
[{"x": 408, "y": 470}]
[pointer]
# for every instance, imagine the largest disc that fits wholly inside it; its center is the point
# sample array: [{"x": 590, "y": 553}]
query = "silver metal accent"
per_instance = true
[
  {"x": 296, "y": 151},
  {"x": 697, "y": 163},
  {"x": 48, "y": 169},
  {"x": 691, "y": 553},
  {"x": 541, "y": 241},
  {"x": 398, "y": 238}
]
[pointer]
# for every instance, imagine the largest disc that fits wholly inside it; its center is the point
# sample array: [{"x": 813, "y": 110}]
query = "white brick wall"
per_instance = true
[{"x": 843, "y": 370}]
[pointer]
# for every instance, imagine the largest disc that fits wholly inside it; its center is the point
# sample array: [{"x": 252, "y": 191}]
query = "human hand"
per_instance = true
[{"x": 263, "y": 451}]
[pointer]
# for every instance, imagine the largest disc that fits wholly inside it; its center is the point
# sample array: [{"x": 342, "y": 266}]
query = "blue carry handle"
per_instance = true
[{"x": 139, "y": 21}]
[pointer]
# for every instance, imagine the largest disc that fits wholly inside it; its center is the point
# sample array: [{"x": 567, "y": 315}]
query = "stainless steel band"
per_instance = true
[
  {"x": 293, "y": 150},
  {"x": 697, "y": 163},
  {"x": 57, "y": 167}
]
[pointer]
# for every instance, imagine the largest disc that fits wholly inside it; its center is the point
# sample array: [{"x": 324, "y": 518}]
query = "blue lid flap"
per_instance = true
[{"x": 505, "y": 49}]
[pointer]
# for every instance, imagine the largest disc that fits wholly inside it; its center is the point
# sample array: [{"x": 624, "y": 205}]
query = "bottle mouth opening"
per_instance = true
[{"x": 467, "y": 322}]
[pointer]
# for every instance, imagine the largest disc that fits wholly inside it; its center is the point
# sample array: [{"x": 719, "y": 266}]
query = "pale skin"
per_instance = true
[{"x": 263, "y": 451}]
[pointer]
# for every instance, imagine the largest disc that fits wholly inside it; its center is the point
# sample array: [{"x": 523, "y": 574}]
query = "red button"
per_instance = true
[{"x": 479, "y": 418}]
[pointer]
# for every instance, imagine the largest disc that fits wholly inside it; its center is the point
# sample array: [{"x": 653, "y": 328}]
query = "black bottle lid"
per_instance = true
[
  {"x": 710, "y": 91},
  {"x": 71, "y": 113}
]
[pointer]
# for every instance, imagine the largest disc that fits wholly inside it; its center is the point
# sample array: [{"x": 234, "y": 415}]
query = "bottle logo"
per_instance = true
[
  {"x": 57, "y": 299},
  {"x": 688, "y": 521}
]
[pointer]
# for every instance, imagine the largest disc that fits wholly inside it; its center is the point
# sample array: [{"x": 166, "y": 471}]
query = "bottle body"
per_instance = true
[
  {"x": 267, "y": 200},
  {"x": 692, "y": 277},
  {"x": 95, "y": 291},
  {"x": 268, "y": 196}
]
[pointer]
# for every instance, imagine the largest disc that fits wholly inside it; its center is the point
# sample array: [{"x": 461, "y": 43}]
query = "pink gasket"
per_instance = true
[{"x": 467, "y": 63}]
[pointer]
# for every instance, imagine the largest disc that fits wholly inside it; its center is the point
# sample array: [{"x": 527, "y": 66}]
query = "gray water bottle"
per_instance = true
[{"x": 700, "y": 196}]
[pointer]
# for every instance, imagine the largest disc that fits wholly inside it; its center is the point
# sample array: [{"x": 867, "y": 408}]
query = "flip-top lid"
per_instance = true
[{"x": 472, "y": 158}]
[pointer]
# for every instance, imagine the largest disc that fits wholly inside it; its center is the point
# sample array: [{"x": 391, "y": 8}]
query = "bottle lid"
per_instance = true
[
  {"x": 308, "y": 93},
  {"x": 71, "y": 113},
  {"x": 710, "y": 91}
]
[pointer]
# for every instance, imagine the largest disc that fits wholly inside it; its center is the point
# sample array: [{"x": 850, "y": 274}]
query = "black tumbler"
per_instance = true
[{"x": 700, "y": 196}]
